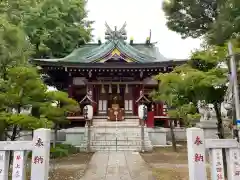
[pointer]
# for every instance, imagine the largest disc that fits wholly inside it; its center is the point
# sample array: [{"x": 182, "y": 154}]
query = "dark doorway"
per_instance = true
[{"x": 116, "y": 97}]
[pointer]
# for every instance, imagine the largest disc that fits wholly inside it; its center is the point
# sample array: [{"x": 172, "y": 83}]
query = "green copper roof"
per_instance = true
[{"x": 91, "y": 53}]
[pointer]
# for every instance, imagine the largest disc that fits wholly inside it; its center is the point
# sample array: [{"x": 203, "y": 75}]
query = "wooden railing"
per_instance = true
[{"x": 75, "y": 114}]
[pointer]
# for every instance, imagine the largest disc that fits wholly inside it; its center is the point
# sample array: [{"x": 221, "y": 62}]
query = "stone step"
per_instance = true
[
  {"x": 123, "y": 136},
  {"x": 128, "y": 131},
  {"x": 114, "y": 122},
  {"x": 119, "y": 148},
  {"x": 126, "y": 116},
  {"x": 119, "y": 136},
  {"x": 125, "y": 120},
  {"x": 113, "y": 140},
  {"x": 110, "y": 140},
  {"x": 131, "y": 117},
  {"x": 132, "y": 125},
  {"x": 119, "y": 143},
  {"x": 132, "y": 128},
  {"x": 105, "y": 123}
]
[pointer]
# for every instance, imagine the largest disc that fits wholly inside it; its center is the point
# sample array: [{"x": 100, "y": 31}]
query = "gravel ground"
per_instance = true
[
  {"x": 166, "y": 164},
  {"x": 169, "y": 165},
  {"x": 69, "y": 168}
]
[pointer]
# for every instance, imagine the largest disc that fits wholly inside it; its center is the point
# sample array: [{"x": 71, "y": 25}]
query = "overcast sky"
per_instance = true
[{"x": 141, "y": 16}]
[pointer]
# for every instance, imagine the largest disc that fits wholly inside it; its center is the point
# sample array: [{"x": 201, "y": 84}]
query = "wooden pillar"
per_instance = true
[
  {"x": 136, "y": 93},
  {"x": 70, "y": 85}
]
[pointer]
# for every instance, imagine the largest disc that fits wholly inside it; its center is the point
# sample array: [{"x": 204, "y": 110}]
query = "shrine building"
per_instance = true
[{"x": 113, "y": 76}]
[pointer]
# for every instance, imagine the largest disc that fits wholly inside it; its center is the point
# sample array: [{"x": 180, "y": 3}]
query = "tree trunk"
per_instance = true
[
  {"x": 219, "y": 119},
  {"x": 12, "y": 138},
  {"x": 14, "y": 133},
  {"x": 35, "y": 113},
  {"x": 55, "y": 135},
  {"x": 221, "y": 134},
  {"x": 174, "y": 144},
  {"x": 2, "y": 131}
]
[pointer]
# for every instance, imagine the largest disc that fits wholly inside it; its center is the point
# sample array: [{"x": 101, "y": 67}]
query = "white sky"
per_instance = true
[{"x": 141, "y": 16}]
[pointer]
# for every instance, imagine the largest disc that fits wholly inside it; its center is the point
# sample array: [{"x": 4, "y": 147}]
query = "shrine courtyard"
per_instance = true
[{"x": 162, "y": 162}]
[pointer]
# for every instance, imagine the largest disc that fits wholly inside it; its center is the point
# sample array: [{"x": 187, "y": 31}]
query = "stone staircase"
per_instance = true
[
  {"x": 130, "y": 121},
  {"x": 118, "y": 136}
]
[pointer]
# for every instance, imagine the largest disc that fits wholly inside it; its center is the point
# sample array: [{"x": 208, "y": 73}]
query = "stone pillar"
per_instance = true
[
  {"x": 40, "y": 154},
  {"x": 196, "y": 154}
]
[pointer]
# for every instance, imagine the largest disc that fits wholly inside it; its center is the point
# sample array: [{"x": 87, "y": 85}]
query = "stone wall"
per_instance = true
[
  {"x": 180, "y": 134},
  {"x": 77, "y": 136},
  {"x": 157, "y": 136}
]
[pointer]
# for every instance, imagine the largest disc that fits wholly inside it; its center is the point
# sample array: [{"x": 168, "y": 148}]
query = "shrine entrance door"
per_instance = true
[{"x": 116, "y": 105}]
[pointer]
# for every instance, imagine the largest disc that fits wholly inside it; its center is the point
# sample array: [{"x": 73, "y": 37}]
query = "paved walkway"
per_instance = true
[{"x": 117, "y": 166}]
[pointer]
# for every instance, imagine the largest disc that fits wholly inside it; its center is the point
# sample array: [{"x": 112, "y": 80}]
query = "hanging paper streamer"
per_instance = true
[
  {"x": 126, "y": 89},
  {"x": 103, "y": 90},
  {"x": 110, "y": 88},
  {"x": 118, "y": 89}
]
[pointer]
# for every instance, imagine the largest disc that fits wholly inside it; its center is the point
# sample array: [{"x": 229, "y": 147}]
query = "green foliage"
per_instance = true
[
  {"x": 202, "y": 78},
  {"x": 14, "y": 48},
  {"x": 59, "y": 106},
  {"x": 187, "y": 113},
  {"x": 22, "y": 89},
  {"x": 15, "y": 11},
  {"x": 54, "y": 27},
  {"x": 62, "y": 150},
  {"x": 227, "y": 24},
  {"x": 172, "y": 90},
  {"x": 190, "y": 18},
  {"x": 37, "y": 28},
  {"x": 217, "y": 20}
]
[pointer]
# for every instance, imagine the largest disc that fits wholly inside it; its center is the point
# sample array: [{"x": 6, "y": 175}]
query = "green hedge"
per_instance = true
[{"x": 61, "y": 150}]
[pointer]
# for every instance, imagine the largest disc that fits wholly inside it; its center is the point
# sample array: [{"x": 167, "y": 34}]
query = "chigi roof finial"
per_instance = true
[{"x": 115, "y": 34}]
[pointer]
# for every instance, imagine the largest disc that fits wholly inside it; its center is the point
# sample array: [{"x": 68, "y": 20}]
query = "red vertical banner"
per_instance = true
[{"x": 150, "y": 119}]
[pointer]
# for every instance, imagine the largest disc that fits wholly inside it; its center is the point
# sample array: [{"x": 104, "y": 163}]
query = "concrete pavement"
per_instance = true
[{"x": 117, "y": 166}]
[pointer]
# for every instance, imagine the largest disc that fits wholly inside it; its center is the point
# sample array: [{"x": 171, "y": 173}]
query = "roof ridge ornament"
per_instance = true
[{"x": 114, "y": 35}]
